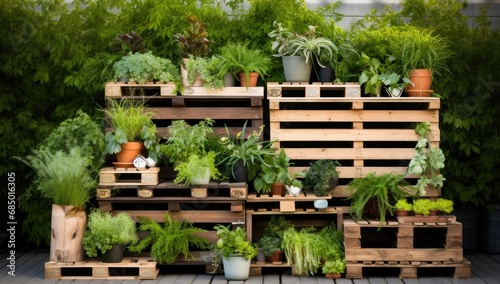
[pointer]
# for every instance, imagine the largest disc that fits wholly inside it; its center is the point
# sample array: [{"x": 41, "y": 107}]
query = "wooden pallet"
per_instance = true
[
  {"x": 226, "y": 91},
  {"x": 407, "y": 269},
  {"x": 121, "y": 89},
  {"x": 257, "y": 267},
  {"x": 128, "y": 176},
  {"x": 128, "y": 269},
  {"x": 369, "y": 240},
  {"x": 168, "y": 189},
  {"x": 314, "y": 90},
  {"x": 366, "y": 135},
  {"x": 286, "y": 203}
]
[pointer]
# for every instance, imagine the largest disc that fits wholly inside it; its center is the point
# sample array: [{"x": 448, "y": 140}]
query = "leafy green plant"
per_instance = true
[
  {"x": 444, "y": 205},
  {"x": 63, "y": 177},
  {"x": 273, "y": 234},
  {"x": 332, "y": 243},
  {"x": 321, "y": 176},
  {"x": 334, "y": 266},
  {"x": 403, "y": 205},
  {"x": 105, "y": 230},
  {"x": 185, "y": 140},
  {"x": 145, "y": 67},
  {"x": 301, "y": 249},
  {"x": 171, "y": 240},
  {"x": 385, "y": 189},
  {"x": 233, "y": 242},
  {"x": 269, "y": 244},
  {"x": 422, "y": 206},
  {"x": 273, "y": 169},
  {"x": 194, "y": 40},
  {"x": 208, "y": 69},
  {"x": 426, "y": 161},
  {"x": 237, "y": 58},
  {"x": 196, "y": 168}
]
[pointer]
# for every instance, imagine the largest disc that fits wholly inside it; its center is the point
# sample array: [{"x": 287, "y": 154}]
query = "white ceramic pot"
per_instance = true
[{"x": 236, "y": 267}]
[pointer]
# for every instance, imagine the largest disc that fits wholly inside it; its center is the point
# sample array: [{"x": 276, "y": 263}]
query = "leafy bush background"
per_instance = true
[{"x": 54, "y": 58}]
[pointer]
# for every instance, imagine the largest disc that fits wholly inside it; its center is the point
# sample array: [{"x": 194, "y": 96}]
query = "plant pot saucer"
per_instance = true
[
  {"x": 419, "y": 93},
  {"x": 123, "y": 165}
]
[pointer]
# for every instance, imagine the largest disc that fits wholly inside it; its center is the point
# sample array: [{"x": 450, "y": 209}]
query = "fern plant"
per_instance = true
[
  {"x": 237, "y": 58},
  {"x": 384, "y": 189},
  {"x": 169, "y": 241},
  {"x": 196, "y": 168}
]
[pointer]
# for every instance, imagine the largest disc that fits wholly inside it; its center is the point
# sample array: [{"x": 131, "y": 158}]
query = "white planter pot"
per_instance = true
[
  {"x": 203, "y": 178},
  {"x": 236, "y": 267},
  {"x": 296, "y": 69}
]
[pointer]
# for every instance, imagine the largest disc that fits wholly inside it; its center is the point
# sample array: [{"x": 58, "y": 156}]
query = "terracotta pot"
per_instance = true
[
  {"x": 333, "y": 275},
  {"x": 252, "y": 79},
  {"x": 276, "y": 256},
  {"x": 129, "y": 152},
  {"x": 402, "y": 213},
  {"x": 278, "y": 189},
  {"x": 434, "y": 212},
  {"x": 422, "y": 79}
]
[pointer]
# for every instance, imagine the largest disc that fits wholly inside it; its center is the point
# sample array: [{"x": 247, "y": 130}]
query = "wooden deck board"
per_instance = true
[{"x": 29, "y": 270}]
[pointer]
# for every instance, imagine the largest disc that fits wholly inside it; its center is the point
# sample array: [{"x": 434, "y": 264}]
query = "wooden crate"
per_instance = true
[
  {"x": 369, "y": 240},
  {"x": 408, "y": 270},
  {"x": 128, "y": 176},
  {"x": 365, "y": 134},
  {"x": 225, "y": 108},
  {"x": 128, "y": 269},
  {"x": 314, "y": 90},
  {"x": 121, "y": 89}
]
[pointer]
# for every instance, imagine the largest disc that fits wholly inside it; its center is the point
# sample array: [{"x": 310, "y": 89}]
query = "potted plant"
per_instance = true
[
  {"x": 236, "y": 252},
  {"x": 206, "y": 68},
  {"x": 302, "y": 250},
  {"x": 426, "y": 161},
  {"x": 272, "y": 237},
  {"x": 128, "y": 119},
  {"x": 422, "y": 56},
  {"x": 192, "y": 42},
  {"x": 375, "y": 195},
  {"x": 273, "y": 174},
  {"x": 443, "y": 205},
  {"x": 321, "y": 176},
  {"x": 170, "y": 241},
  {"x": 331, "y": 245},
  {"x": 298, "y": 51},
  {"x": 243, "y": 154},
  {"x": 403, "y": 207},
  {"x": 247, "y": 63},
  {"x": 145, "y": 67},
  {"x": 294, "y": 184},
  {"x": 108, "y": 235},
  {"x": 333, "y": 268},
  {"x": 422, "y": 206},
  {"x": 197, "y": 170},
  {"x": 66, "y": 179}
]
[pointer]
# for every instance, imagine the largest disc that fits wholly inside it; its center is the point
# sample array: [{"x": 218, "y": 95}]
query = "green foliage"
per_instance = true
[
  {"x": 269, "y": 244},
  {"x": 196, "y": 168},
  {"x": 128, "y": 119},
  {"x": 321, "y": 176},
  {"x": 273, "y": 169},
  {"x": 169, "y": 241},
  {"x": 403, "y": 204},
  {"x": 444, "y": 205},
  {"x": 145, "y": 67},
  {"x": 422, "y": 206},
  {"x": 185, "y": 140},
  {"x": 194, "y": 40},
  {"x": 334, "y": 266},
  {"x": 332, "y": 243},
  {"x": 105, "y": 230},
  {"x": 63, "y": 177},
  {"x": 237, "y": 57},
  {"x": 273, "y": 234},
  {"x": 426, "y": 161},
  {"x": 385, "y": 189},
  {"x": 233, "y": 242},
  {"x": 208, "y": 69},
  {"x": 302, "y": 250}
]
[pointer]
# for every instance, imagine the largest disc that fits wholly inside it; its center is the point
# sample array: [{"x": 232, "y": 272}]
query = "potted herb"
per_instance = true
[
  {"x": 197, "y": 170},
  {"x": 271, "y": 246},
  {"x": 444, "y": 205},
  {"x": 294, "y": 184},
  {"x": 375, "y": 195},
  {"x": 108, "y": 235},
  {"x": 145, "y": 67},
  {"x": 302, "y": 250},
  {"x": 243, "y": 154},
  {"x": 273, "y": 237},
  {"x": 321, "y": 176},
  {"x": 422, "y": 206},
  {"x": 298, "y": 51},
  {"x": 333, "y": 268},
  {"x": 206, "y": 68},
  {"x": 128, "y": 119},
  {"x": 236, "y": 252},
  {"x": 170, "y": 241},
  {"x": 192, "y": 42},
  {"x": 426, "y": 161},
  {"x": 273, "y": 174},
  {"x": 66, "y": 179},
  {"x": 403, "y": 207},
  {"x": 247, "y": 63}
]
